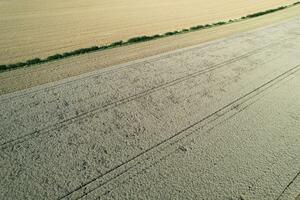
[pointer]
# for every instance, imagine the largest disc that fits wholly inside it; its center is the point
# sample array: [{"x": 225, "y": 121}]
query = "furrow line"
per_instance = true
[{"x": 192, "y": 128}]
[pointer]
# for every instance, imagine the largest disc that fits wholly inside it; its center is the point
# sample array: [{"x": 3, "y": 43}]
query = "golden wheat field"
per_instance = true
[{"x": 37, "y": 28}]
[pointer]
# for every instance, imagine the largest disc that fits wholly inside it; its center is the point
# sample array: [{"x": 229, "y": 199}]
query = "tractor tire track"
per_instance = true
[{"x": 168, "y": 141}]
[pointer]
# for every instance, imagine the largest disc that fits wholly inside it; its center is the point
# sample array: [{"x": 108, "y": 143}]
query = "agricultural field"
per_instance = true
[
  {"x": 150, "y": 99},
  {"x": 217, "y": 120},
  {"x": 36, "y": 28}
]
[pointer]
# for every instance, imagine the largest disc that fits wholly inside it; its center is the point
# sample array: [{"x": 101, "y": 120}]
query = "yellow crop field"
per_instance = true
[{"x": 37, "y": 28}]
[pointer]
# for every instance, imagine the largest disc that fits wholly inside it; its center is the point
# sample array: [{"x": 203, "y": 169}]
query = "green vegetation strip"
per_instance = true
[{"x": 134, "y": 40}]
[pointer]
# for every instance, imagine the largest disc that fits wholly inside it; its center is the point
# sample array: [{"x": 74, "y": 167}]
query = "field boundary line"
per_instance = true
[
  {"x": 121, "y": 66},
  {"x": 124, "y": 66},
  {"x": 288, "y": 185},
  {"x": 137, "y": 39}
]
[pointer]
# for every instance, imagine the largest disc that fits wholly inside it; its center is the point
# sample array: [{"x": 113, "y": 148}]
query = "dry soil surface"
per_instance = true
[
  {"x": 38, "y": 28},
  {"x": 39, "y": 74},
  {"x": 215, "y": 121}
]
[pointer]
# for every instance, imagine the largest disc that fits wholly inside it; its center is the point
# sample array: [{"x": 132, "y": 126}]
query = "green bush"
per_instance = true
[
  {"x": 54, "y": 57},
  {"x": 103, "y": 47},
  {"x": 156, "y": 36},
  {"x": 32, "y": 61},
  {"x": 264, "y": 12},
  {"x": 3, "y": 67},
  {"x": 171, "y": 33},
  {"x": 91, "y": 49},
  {"x": 139, "y": 39},
  {"x": 196, "y": 27},
  {"x": 219, "y": 23},
  {"x": 21, "y": 64},
  {"x": 118, "y": 43},
  {"x": 81, "y": 51},
  {"x": 67, "y": 54},
  {"x": 12, "y": 66}
]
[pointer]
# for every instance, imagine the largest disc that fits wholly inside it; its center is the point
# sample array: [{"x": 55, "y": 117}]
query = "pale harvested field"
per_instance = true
[
  {"x": 35, "y": 75},
  {"x": 37, "y": 28},
  {"x": 218, "y": 120}
]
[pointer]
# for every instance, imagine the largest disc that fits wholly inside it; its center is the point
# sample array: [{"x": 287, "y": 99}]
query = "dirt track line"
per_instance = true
[
  {"x": 133, "y": 97},
  {"x": 165, "y": 156},
  {"x": 218, "y": 116},
  {"x": 288, "y": 185},
  {"x": 231, "y": 106}
]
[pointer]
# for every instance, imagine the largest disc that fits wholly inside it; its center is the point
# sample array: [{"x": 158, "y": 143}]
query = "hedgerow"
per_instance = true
[
  {"x": 141, "y": 39},
  {"x": 133, "y": 40},
  {"x": 3, "y": 67},
  {"x": 265, "y": 12},
  {"x": 31, "y": 62},
  {"x": 197, "y": 27},
  {"x": 118, "y": 43},
  {"x": 54, "y": 57}
]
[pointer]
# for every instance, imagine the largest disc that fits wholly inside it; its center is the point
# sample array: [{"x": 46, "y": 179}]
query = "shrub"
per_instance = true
[
  {"x": 156, "y": 36},
  {"x": 171, "y": 33},
  {"x": 264, "y": 12},
  {"x": 103, "y": 47},
  {"x": 91, "y": 49},
  {"x": 67, "y": 54},
  {"x": 77, "y": 51},
  {"x": 85, "y": 50},
  {"x": 54, "y": 57},
  {"x": 185, "y": 30},
  {"x": 139, "y": 39},
  {"x": 168, "y": 33},
  {"x": 219, "y": 23},
  {"x": 21, "y": 64},
  {"x": 12, "y": 66},
  {"x": 296, "y": 3},
  {"x": 3, "y": 67},
  {"x": 196, "y": 27},
  {"x": 118, "y": 43},
  {"x": 32, "y": 61}
]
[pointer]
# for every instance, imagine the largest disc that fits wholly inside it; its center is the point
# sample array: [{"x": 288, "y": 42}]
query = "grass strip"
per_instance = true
[{"x": 139, "y": 39}]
